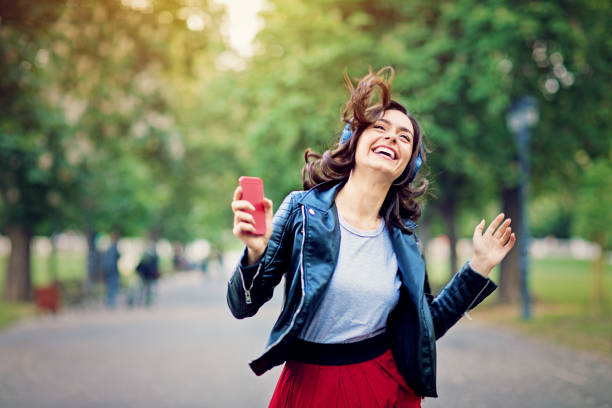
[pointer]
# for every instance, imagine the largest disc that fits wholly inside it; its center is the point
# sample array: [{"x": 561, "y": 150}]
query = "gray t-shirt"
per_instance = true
[{"x": 363, "y": 289}]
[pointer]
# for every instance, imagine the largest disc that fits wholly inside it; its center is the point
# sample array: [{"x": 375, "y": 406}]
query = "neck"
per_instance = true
[{"x": 360, "y": 199}]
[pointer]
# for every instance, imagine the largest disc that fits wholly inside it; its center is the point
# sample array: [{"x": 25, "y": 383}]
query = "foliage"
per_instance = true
[
  {"x": 116, "y": 116},
  {"x": 89, "y": 137},
  {"x": 594, "y": 204}
]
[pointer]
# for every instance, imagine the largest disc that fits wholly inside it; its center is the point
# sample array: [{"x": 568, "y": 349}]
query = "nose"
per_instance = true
[{"x": 390, "y": 136}]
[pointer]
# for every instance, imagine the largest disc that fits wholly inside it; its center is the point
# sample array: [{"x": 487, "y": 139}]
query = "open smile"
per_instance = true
[{"x": 385, "y": 151}]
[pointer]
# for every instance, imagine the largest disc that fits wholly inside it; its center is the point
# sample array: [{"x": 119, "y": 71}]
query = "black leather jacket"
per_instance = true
[{"x": 304, "y": 249}]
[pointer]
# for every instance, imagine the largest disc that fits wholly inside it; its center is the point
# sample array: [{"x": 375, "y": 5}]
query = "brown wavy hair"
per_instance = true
[{"x": 363, "y": 108}]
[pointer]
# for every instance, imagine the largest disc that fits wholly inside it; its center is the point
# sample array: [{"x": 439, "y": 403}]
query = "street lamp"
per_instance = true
[{"x": 522, "y": 117}]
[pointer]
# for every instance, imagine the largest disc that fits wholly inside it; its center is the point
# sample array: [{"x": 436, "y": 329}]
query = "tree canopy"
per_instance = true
[{"x": 121, "y": 114}]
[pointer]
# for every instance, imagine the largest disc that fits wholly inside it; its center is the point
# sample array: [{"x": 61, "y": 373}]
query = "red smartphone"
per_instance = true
[{"x": 252, "y": 191}]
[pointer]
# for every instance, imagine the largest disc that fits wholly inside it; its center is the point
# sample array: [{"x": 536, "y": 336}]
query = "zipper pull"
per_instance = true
[
  {"x": 247, "y": 296},
  {"x": 465, "y": 314}
]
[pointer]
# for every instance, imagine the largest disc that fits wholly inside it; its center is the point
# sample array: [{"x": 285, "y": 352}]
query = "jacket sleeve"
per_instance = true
[
  {"x": 253, "y": 285},
  {"x": 464, "y": 292}
]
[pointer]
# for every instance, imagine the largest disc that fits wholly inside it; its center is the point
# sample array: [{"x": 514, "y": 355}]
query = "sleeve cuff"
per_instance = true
[
  {"x": 248, "y": 271},
  {"x": 479, "y": 285}
]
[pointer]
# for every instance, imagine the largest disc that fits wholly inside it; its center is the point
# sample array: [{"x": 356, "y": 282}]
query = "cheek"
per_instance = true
[{"x": 362, "y": 148}]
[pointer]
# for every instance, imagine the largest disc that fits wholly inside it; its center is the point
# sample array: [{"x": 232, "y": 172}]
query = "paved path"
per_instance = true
[{"x": 188, "y": 351}]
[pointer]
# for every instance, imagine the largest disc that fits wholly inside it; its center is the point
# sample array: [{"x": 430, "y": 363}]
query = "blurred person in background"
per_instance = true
[
  {"x": 148, "y": 270},
  {"x": 110, "y": 270},
  {"x": 359, "y": 323}
]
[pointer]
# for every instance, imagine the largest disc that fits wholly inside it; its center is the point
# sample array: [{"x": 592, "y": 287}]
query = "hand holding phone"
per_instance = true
[
  {"x": 252, "y": 216},
  {"x": 252, "y": 191}
]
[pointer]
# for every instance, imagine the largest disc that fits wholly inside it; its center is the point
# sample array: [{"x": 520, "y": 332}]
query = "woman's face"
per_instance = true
[{"x": 386, "y": 146}]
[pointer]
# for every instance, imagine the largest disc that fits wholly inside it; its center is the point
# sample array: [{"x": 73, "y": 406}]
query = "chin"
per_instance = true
[{"x": 383, "y": 172}]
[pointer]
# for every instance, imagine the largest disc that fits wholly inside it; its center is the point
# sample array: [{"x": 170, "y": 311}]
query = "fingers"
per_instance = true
[
  {"x": 479, "y": 228},
  {"x": 506, "y": 235},
  {"x": 241, "y": 216},
  {"x": 510, "y": 242},
  {"x": 242, "y": 228},
  {"x": 242, "y": 205},
  {"x": 237, "y": 193},
  {"x": 501, "y": 231},
  {"x": 494, "y": 224}
]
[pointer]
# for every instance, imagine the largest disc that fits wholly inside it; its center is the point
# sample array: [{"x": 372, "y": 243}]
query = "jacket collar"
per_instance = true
[{"x": 322, "y": 196}]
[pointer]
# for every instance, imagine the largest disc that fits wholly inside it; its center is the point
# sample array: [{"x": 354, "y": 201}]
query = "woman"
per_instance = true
[{"x": 358, "y": 326}]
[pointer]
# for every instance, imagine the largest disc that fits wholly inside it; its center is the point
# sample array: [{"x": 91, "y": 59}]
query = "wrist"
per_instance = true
[
  {"x": 253, "y": 256},
  {"x": 481, "y": 267}
]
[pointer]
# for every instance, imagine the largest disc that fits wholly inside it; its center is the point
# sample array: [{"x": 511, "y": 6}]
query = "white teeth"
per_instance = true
[{"x": 386, "y": 151}]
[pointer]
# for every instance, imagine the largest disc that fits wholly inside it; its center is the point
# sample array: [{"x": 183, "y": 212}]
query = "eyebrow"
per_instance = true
[{"x": 401, "y": 128}]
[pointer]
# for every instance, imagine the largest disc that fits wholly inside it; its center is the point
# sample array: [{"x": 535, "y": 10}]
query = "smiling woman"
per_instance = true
[
  {"x": 388, "y": 128},
  {"x": 359, "y": 324}
]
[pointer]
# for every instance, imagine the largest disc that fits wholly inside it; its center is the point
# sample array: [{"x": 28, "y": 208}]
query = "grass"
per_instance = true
[
  {"x": 13, "y": 311},
  {"x": 70, "y": 271},
  {"x": 70, "y": 267},
  {"x": 562, "y": 311}
]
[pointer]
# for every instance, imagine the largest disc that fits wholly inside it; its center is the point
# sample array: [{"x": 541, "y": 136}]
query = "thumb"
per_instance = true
[
  {"x": 479, "y": 228},
  {"x": 267, "y": 204}
]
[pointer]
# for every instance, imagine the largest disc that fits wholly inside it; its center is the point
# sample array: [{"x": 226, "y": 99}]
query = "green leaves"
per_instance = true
[{"x": 120, "y": 114}]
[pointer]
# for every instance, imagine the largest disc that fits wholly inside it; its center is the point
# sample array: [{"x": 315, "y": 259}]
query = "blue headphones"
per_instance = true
[{"x": 346, "y": 136}]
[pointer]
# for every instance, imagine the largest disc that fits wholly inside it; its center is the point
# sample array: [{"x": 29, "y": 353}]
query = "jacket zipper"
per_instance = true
[
  {"x": 473, "y": 301},
  {"x": 247, "y": 292},
  {"x": 299, "y": 309}
]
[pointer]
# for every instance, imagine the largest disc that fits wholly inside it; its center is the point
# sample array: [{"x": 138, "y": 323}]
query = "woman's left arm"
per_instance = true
[{"x": 471, "y": 285}]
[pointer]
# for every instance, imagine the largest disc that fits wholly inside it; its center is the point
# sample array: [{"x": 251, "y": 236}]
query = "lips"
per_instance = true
[{"x": 385, "y": 151}]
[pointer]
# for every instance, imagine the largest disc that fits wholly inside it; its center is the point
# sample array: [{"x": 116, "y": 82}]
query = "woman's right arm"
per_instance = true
[{"x": 265, "y": 258}]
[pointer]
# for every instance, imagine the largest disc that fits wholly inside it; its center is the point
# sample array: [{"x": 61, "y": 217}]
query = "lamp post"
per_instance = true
[{"x": 521, "y": 118}]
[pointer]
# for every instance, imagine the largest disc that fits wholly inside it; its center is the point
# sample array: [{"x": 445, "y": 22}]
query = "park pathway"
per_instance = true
[{"x": 188, "y": 351}]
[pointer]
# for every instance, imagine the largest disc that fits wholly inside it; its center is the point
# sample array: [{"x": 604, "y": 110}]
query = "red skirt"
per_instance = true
[{"x": 375, "y": 383}]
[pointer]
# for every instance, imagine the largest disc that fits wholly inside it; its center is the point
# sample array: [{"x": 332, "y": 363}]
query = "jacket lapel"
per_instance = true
[
  {"x": 320, "y": 223},
  {"x": 410, "y": 263}
]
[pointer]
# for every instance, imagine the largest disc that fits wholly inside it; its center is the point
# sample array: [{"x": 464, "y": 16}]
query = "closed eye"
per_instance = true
[{"x": 405, "y": 138}]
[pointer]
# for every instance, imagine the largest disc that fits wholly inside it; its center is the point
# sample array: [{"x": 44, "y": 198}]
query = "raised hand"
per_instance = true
[
  {"x": 244, "y": 226},
  {"x": 491, "y": 246}
]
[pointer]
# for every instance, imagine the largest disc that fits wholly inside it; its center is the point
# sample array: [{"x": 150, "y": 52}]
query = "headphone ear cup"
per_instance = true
[
  {"x": 346, "y": 134},
  {"x": 417, "y": 165}
]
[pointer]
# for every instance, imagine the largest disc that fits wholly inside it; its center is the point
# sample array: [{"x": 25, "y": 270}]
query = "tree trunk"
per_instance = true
[
  {"x": 510, "y": 268},
  {"x": 598, "y": 280},
  {"x": 52, "y": 260},
  {"x": 18, "y": 286},
  {"x": 449, "y": 213}
]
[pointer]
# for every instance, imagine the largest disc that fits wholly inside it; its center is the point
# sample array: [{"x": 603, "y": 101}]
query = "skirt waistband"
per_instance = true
[{"x": 338, "y": 353}]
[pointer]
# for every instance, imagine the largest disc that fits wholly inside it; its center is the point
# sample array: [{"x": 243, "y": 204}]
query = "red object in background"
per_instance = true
[
  {"x": 48, "y": 298},
  {"x": 252, "y": 191}
]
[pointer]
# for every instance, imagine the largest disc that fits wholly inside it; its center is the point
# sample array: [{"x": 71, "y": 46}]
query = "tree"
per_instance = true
[
  {"x": 93, "y": 152},
  {"x": 593, "y": 215},
  {"x": 468, "y": 61},
  {"x": 34, "y": 174}
]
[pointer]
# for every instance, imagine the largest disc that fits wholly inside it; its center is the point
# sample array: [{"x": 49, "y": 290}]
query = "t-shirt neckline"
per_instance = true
[{"x": 360, "y": 232}]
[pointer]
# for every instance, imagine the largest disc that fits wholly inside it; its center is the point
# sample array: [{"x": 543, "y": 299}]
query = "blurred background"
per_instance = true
[{"x": 131, "y": 121}]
